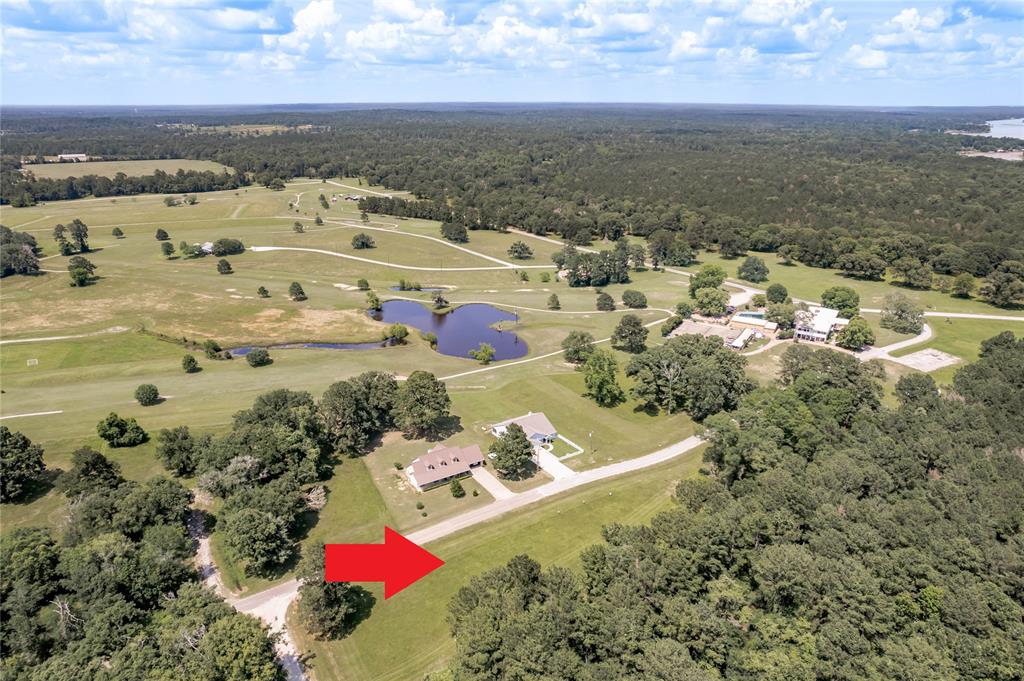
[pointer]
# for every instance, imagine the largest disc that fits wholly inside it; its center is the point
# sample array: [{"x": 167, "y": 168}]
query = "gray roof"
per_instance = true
[{"x": 533, "y": 424}]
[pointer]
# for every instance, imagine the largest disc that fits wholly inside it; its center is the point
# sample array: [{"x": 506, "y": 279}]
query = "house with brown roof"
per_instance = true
[{"x": 443, "y": 464}]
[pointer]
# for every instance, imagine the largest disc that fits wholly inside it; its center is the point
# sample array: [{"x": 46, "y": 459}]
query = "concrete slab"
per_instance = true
[{"x": 926, "y": 360}]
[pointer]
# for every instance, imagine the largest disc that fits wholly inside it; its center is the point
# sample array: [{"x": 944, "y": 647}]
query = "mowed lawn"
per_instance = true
[
  {"x": 59, "y": 171},
  {"x": 407, "y": 636}
]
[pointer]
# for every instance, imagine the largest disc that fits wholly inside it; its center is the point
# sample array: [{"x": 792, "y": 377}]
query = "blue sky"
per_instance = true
[{"x": 963, "y": 52}]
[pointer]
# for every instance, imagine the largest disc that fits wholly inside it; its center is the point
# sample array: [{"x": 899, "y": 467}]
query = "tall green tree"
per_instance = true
[
  {"x": 599, "y": 375},
  {"x": 21, "y": 462},
  {"x": 422, "y": 405},
  {"x": 512, "y": 453}
]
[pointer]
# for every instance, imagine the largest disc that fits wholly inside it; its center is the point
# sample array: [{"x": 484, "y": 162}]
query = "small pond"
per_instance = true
[{"x": 460, "y": 330}]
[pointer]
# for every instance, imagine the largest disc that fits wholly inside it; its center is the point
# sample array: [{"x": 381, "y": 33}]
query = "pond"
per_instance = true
[{"x": 460, "y": 330}]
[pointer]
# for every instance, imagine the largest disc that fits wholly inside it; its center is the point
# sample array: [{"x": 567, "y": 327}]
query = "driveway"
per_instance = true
[
  {"x": 551, "y": 465},
  {"x": 491, "y": 483}
]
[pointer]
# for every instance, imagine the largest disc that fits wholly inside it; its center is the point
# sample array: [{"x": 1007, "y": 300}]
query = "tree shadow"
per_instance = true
[
  {"x": 649, "y": 409},
  {"x": 362, "y": 602},
  {"x": 38, "y": 487},
  {"x": 443, "y": 429}
]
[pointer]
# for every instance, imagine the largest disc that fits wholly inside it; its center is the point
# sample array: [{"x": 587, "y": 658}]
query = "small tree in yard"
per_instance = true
[
  {"x": 258, "y": 357},
  {"x": 901, "y": 314},
  {"x": 855, "y": 335},
  {"x": 147, "y": 395},
  {"x": 22, "y": 463},
  {"x": 161, "y": 235},
  {"x": 224, "y": 267},
  {"x": 578, "y": 346},
  {"x": 512, "y": 453},
  {"x": 363, "y": 285},
  {"x": 167, "y": 248},
  {"x": 189, "y": 364},
  {"x": 605, "y": 303},
  {"x": 634, "y": 299},
  {"x": 372, "y": 301},
  {"x": 553, "y": 302},
  {"x": 298, "y": 228},
  {"x": 79, "y": 277},
  {"x": 362, "y": 240},
  {"x": 457, "y": 491},
  {"x": 120, "y": 432},
  {"x": 753, "y": 269},
  {"x": 483, "y": 354},
  {"x": 295, "y": 291},
  {"x": 520, "y": 251},
  {"x": 262, "y": 292},
  {"x": 117, "y": 233},
  {"x": 630, "y": 335},
  {"x": 599, "y": 376},
  {"x": 396, "y": 333},
  {"x": 776, "y": 293}
]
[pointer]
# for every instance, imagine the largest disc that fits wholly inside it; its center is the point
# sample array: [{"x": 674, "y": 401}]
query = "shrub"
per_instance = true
[
  {"x": 419, "y": 505},
  {"x": 454, "y": 232},
  {"x": 363, "y": 285},
  {"x": 758, "y": 300},
  {"x": 262, "y": 292},
  {"x": 483, "y": 354},
  {"x": 147, "y": 394},
  {"x": 224, "y": 267},
  {"x": 634, "y": 299},
  {"x": 362, "y": 240},
  {"x": 258, "y": 357},
  {"x": 296, "y": 292},
  {"x": 605, "y": 303},
  {"x": 228, "y": 247},
  {"x": 670, "y": 325},
  {"x": 476, "y": 493},
  {"x": 117, "y": 233},
  {"x": 396, "y": 333},
  {"x": 554, "y": 303},
  {"x": 189, "y": 364},
  {"x": 398, "y": 466},
  {"x": 520, "y": 251},
  {"x": 162, "y": 235},
  {"x": 457, "y": 490},
  {"x": 120, "y": 432},
  {"x": 684, "y": 309},
  {"x": 545, "y": 277},
  {"x": 212, "y": 349}
]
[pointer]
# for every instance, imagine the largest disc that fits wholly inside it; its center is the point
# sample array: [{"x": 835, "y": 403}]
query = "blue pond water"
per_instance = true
[{"x": 459, "y": 331}]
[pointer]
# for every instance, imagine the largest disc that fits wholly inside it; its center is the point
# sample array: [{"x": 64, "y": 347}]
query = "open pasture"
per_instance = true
[{"x": 59, "y": 171}]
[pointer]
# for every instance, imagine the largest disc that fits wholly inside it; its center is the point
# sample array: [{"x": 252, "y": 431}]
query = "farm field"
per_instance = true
[{"x": 59, "y": 171}]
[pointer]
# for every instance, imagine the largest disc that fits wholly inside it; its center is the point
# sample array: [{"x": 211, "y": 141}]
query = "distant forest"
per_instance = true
[{"x": 827, "y": 181}]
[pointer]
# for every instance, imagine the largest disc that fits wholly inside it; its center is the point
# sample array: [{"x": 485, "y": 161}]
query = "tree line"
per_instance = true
[{"x": 831, "y": 537}]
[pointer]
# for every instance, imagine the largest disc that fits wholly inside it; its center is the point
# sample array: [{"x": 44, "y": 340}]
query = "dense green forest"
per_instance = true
[
  {"x": 827, "y": 182},
  {"x": 833, "y": 539}
]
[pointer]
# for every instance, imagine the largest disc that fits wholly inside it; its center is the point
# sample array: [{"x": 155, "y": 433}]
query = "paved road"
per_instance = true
[{"x": 884, "y": 351}]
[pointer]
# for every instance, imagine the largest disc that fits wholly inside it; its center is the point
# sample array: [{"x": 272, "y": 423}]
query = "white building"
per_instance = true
[
  {"x": 818, "y": 323},
  {"x": 75, "y": 158},
  {"x": 537, "y": 427}
]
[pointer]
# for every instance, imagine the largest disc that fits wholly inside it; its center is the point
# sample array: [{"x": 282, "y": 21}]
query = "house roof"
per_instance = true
[
  {"x": 821, "y": 319},
  {"x": 534, "y": 423},
  {"x": 443, "y": 462}
]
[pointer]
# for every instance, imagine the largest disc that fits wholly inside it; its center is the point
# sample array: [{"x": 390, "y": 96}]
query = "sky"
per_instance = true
[{"x": 867, "y": 53}]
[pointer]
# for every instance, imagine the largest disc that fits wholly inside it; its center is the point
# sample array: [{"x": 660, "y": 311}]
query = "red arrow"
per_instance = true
[{"x": 397, "y": 562}]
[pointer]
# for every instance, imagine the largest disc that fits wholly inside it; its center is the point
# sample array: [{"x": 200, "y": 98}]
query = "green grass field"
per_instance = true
[{"x": 58, "y": 171}]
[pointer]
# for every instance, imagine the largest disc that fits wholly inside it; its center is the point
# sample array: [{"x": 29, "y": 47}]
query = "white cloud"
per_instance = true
[
  {"x": 317, "y": 22},
  {"x": 862, "y": 57},
  {"x": 773, "y": 12}
]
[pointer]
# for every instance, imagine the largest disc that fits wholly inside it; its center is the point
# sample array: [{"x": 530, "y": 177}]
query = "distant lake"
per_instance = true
[
  {"x": 1008, "y": 127},
  {"x": 458, "y": 331}
]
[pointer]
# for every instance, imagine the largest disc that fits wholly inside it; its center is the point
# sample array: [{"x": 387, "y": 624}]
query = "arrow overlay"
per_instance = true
[{"x": 397, "y": 562}]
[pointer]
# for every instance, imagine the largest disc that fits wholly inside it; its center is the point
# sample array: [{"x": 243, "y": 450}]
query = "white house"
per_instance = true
[
  {"x": 537, "y": 427},
  {"x": 74, "y": 158},
  {"x": 818, "y": 323}
]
